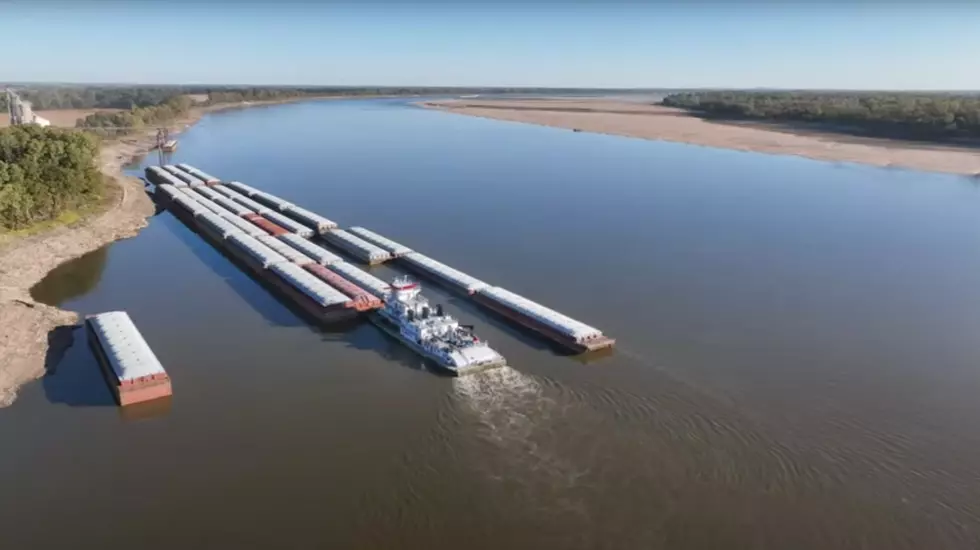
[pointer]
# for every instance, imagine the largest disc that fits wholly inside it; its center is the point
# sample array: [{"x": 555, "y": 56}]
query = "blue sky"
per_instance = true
[{"x": 870, "y": 45}]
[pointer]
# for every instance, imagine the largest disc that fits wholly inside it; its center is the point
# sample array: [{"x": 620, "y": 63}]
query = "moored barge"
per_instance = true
[{"x": 131, "y": 369}]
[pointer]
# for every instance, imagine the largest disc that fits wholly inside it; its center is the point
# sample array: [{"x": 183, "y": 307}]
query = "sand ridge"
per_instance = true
[{"x": 655, "y": 122}]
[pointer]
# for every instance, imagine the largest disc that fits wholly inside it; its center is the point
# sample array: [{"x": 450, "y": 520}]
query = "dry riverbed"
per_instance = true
[{"x": 645, "y": 121}]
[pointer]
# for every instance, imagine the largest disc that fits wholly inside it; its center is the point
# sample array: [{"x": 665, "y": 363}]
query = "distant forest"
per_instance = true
[
  {"x": 935, "y": 116},
  {"x": 70, "y": 96},
  {"x": 142, "y": 106},
  {"x": 105, "y": 123}
]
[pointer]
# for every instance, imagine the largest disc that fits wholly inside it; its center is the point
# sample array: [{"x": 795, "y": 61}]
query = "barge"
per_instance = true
[
  {"x": 311, "y": 219},
  {"x": 455, "y": 279},
  {"x": 208, "y": 192},
  {"x": 208, "y": 179},
  {"x": 266, "y": 225},
  {"x": 181, "y": 175},
  {"x": 357, "y": 247},
  {"x": 241, "y": 208},
  {"x": 270, "y": 200},
  {"x": 263, "y": 203},
  {"x": 232, "y": 206},
  {"x": 243, "y": 200},
  {"x": 158, "y": 176},
  {"x": 281, "y": 274},
  {"x": 361, "y": 278},
  {"x": 133, "y": 372},
  {"x": 564, "y": 330},
  {"x": 395, "y": 249},
  {"x": 363, "y": 300},
  {"x": 246, "y": 190},
  {"x": 319, "y": 254},
  {"x": 289, "y": 224}
]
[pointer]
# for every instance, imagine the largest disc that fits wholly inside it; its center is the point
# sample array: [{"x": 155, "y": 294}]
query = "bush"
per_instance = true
[
  {"x": 136, "y": 118},
  {"x": 45, "y": 172},
  {"x": 930, "y": 116}
]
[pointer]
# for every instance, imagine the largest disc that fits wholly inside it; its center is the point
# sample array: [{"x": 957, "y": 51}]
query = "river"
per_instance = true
[{"x": 797, "y": 359}]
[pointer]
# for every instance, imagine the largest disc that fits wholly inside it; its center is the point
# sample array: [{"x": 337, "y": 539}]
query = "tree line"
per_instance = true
[
  {"x": 104, "y": 123},
  {"x": 81, "y": 96},
  {"x": 49, "y": 97},
  {"x": 920, "y": 116},
  {"x": 45, "y": 172}
]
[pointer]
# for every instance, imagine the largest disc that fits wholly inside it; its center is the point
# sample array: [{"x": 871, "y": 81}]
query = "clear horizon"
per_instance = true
[{"x": 659, "y": 45}]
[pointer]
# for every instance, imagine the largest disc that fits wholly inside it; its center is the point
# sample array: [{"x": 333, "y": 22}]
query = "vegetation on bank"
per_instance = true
[
  {"x": 52, "y": 96},
  {"x": 45, "y": 174},
  {"x": 905, "y": 115},
  {"x": 113, "y": 123},
  {"x": 127, "y": 97}
]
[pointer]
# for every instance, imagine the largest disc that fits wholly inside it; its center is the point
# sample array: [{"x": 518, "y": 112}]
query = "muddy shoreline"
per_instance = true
[
  {"x": 33, "y": 331},
  {"x": 655, "y": 122}
]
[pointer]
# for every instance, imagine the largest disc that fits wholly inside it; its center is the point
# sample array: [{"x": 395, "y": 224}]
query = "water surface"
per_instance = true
[{"x": 796, "y": 368}]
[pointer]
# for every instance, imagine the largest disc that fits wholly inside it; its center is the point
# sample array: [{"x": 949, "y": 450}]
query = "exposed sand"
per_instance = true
[
  {"x": 31, "y": 333},
  {"x": 663, "y": 123},
  {"x": 31, "y": 330}
]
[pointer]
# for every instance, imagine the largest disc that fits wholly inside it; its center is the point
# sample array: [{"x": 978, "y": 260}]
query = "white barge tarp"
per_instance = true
[
  {"x": 258, "y": 251},
  {"x": 471, "y": 284},
  {"x": 561, "y": 323},
  {"x": 311, "y": 219},
  {"x": 356, "y": 245},
  {"x": 365, "y": 280},
  {"x": 128, "y": 353},
  {"x": 309, "y": 284},
  {"x": 319, "y": 254},
  {"x": 180, "y": 174},
  {"x": 217, "y": 224},
  {"x": 232, "y": 206},
  {"x": 271, "y": 200},
  {"x": 287, "y": 223},
  {"x": 246, "y": 226},
  {"x": 396, "y": 249},
  {"x": 200, "y": 174},
  {"x": 242, "y": 188},
  {"x": 287, "y": 251}
]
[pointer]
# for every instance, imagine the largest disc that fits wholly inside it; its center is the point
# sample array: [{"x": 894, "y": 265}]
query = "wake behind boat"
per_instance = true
[{"x": 430, "y": 332}]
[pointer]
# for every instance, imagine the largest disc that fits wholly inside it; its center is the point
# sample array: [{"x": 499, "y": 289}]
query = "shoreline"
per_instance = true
[
  {"x": 656, "y": 122},
  {"x": 35, "y": 333}
]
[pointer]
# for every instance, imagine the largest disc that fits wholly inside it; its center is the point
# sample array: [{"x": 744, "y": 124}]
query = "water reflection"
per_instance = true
[
  {"x": 72, "y": 279},
  {"x": 796, "y": 364},
  {"x": 235, "y": 274},
  {"x": 157, "y": 408}
]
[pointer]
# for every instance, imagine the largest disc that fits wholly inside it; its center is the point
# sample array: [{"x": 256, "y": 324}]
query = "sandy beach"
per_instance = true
[
  {"x": 655, "y": 122},
  {"x": 31, "y": 328}
]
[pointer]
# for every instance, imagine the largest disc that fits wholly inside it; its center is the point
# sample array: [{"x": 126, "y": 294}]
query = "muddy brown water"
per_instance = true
[{"x": 798, "y": 362}]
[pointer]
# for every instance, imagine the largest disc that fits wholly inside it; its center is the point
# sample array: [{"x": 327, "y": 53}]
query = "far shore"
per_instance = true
[
  {"x": 655, "y": 122},
  {"x": 35, "y": 334}
]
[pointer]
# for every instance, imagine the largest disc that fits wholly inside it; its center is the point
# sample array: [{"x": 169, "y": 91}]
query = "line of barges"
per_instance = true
[{"x": 258, "y": 227}]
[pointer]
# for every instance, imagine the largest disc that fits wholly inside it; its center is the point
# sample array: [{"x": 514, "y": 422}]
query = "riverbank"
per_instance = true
[
  {"x": 33, "y": 331},
  {"x": 656, "y": 122}
]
